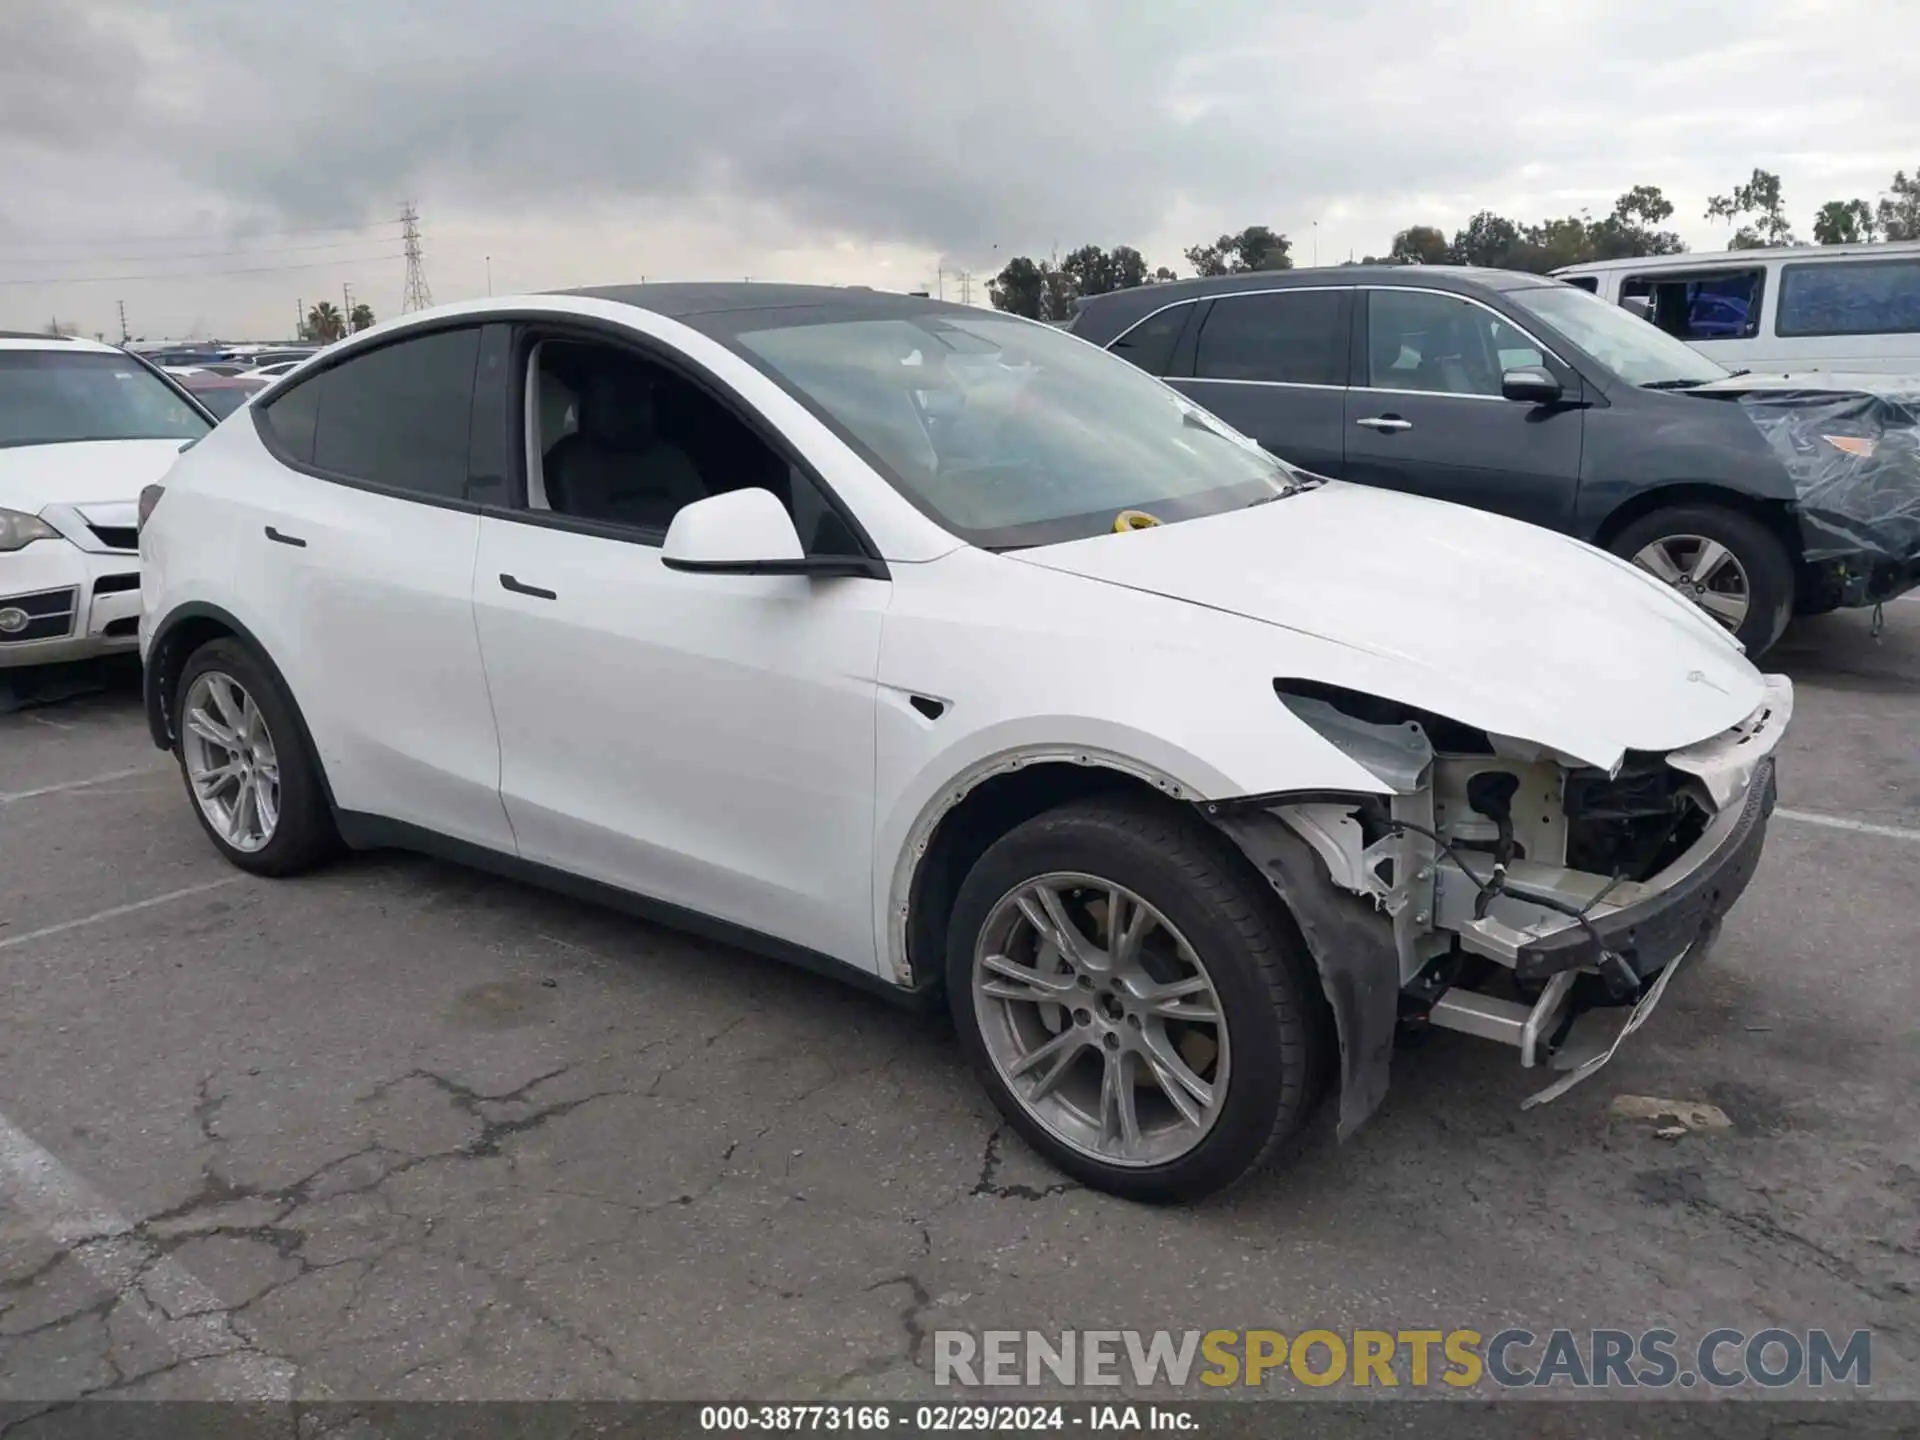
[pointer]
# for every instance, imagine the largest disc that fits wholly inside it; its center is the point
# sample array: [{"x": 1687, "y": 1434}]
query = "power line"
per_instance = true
[
  {"x": 149, "y": 239},
  {"x": 201, "y": 274},
  {"x": 198, "y": 254}
]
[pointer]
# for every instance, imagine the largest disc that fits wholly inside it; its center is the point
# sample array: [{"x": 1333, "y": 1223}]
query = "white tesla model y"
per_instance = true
[{"x": 942, "y": 651}]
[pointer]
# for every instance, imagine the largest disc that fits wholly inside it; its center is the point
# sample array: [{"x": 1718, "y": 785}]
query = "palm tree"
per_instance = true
[
  {"x": 324, "y": 322},
  {"x": 361, "y": 318}
]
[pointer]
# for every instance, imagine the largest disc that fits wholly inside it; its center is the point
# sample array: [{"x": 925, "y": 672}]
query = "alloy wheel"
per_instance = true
[
  {"x": 232, "y": 766},
  {"x": 1101, "y": 1019},
  {"x": 1704, "y": 571}
]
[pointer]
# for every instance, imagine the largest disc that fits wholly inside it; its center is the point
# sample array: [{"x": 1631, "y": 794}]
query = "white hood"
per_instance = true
[
  {"x": 35, "y": 476},
  {"x": 1488, "y": 621}
]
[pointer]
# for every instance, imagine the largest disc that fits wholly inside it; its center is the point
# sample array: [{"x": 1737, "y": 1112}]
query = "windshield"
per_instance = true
[
  {"x": 1634, "y": 349},
  {"x": 1012, "y": 434},
  {"x": 48, "y": 397}
]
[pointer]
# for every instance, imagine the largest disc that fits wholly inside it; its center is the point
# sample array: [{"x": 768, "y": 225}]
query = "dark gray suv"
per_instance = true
[{"x": 1527, "y": 396}]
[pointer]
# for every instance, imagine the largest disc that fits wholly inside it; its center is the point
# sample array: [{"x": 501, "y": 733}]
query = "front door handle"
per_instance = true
[
  {"x": 282, "y": 538},
  {"x": 507, "y": 582},
  {"x": 1386, "y": 424}
]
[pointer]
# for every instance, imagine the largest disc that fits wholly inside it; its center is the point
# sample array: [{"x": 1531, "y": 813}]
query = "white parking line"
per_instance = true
[
  {"x": 1858, "y": 827},
  {"x": 118, "y": 910},
  {"x": 7, "y": 797},
  {"x": 190, "y": 1318}
]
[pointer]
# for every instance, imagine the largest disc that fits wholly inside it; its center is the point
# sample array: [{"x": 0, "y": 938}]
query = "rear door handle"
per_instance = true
[
  {"x": 1384, "y": 423},
  {"x": 282, "y": 538},
  {"x": 507, "y": 582}
]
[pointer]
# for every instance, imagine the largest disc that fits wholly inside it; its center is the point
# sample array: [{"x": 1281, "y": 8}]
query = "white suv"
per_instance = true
[
  {"x": 83, "y": 427},
  {"x": 946, "y": 653}
]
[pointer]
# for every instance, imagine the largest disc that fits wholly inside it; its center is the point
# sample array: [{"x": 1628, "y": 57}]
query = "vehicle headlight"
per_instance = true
[{"x": 18, "y": 530}]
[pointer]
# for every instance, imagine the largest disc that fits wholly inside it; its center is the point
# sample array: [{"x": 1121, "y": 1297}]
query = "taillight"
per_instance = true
[{"x": 149, "y": 497}]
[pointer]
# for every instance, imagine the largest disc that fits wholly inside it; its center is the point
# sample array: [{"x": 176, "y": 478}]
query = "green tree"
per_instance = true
[
  {"x": 361, "y": 318},
  {"x": 1897, "y": 216},
  {"x": 1553, "y": 243},
  {"x": 1759, "y": 197},
  {"x": 1129, "y": 267},
  {"x": 1058, "y": 291},
  {"x": 1488, "y": 239},
  {"x": 1843, "y": 222},
  {"x": 1161, "y": 275},
  {"x": 1018, "y": 288},
  {"x": 1092, "y": 270},
  {"x": 1632, "y": 228},
  {"x": 1255, "y": 248},
  {"x": 325, "y": 323},
  {"x": 1420, "y": 245}
]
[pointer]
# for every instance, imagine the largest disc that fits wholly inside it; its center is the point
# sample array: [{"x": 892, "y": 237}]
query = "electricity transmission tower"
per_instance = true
[{"x": 418, "y": 296}]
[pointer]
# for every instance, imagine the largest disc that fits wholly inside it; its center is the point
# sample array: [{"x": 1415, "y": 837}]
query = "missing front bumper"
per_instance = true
[{"x": 1650, "y": 933}]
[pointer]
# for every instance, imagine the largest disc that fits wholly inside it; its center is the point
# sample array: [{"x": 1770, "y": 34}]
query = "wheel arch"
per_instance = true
[
  {"x": 1776, "y": 515},
  {"x": 183, "y": 631},
  {"x": 969, "y": 814}
]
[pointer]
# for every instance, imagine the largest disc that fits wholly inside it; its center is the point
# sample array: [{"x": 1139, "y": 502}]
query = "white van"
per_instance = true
[{"x": 1808, "y": 307}]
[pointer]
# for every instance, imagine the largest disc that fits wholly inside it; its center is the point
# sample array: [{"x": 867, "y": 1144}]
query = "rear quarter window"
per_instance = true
[
  {"x": 1150, "y": 343},
  {"x": 399, "y": 417}
]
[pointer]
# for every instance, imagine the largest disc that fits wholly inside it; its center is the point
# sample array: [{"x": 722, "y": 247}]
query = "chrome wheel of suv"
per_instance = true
[
  {"x": 1703, "y": 570},
  {"x": 232, "y": 766}
]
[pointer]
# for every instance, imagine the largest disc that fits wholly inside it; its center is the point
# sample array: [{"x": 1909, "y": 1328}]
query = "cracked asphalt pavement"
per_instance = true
[{"x": 399, "y": 1130}]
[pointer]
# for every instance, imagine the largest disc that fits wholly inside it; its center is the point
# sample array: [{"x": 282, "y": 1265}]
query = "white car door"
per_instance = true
[
  {"x": 706, "y": 741},
  {"x": 356, "y": 556}
]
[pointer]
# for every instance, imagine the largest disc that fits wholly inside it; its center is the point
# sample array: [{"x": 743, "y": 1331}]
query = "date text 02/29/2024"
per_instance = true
[{"x": 946, "y": 1419}]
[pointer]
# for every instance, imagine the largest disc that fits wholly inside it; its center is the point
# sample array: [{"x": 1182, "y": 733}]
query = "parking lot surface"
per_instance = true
[{"x": 401, "y": 1130}]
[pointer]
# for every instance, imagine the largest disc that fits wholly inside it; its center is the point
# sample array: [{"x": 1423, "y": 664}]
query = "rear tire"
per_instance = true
[
  {"x": 250, "y": 776},
  {"x": 1210, "y": 1101},
  {"x": 1755, "y": 569}
]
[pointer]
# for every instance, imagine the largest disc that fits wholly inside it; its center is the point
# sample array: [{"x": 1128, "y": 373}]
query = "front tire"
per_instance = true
[
  {"x": 1134, "y": 1001},
  {"x": 1727, "y": 563},
  {"x": 253, "y": 783}
]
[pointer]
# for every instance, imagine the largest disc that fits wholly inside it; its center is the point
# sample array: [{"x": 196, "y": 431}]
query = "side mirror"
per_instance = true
[
  {"x": 1530, "y": 384},
  {"x": 749, "y": 532},
  {"x": 1641, "y": 305}
]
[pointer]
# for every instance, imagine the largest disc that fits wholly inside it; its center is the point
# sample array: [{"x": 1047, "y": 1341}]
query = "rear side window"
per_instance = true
[
  {"x": 1150, "y": 343},
  {"x": 1588, "y": 283},
  {"x": 400, "y": 416},
  {"x": 1724, "y": 305},
  {"x": 1294, "y": 337},
  {"x": 291, "y": 416},
  {"x": 1866, "y": 297}
]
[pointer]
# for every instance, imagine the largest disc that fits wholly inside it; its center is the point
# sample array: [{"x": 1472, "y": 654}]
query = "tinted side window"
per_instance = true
[
  {"x": 401, "y": 415},
  {"x": 1150, "y": 343},
  {"x": 1869, "y": 297},
  {"x": 1296, "y": 338},
  {"x": 1423, "y": 340},
  {"x": 292, "y": 416},
  {"x": 1588, "y": 283},
  {"x": 1701, "y": 307}
]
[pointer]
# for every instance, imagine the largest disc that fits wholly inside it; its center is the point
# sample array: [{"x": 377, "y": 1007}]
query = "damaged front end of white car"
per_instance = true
[{"x": 1501, "y": 888}]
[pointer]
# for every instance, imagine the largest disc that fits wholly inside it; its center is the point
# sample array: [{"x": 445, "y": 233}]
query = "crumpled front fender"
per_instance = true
[{"x": 1352, "y": 946}]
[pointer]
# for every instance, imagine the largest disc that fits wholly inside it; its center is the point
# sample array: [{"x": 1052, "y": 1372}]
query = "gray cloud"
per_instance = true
[{"x": 953, "y": 129}]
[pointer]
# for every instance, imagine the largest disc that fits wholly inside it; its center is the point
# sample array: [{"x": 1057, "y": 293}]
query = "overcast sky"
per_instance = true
[{"x": 868, "y": 141}]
